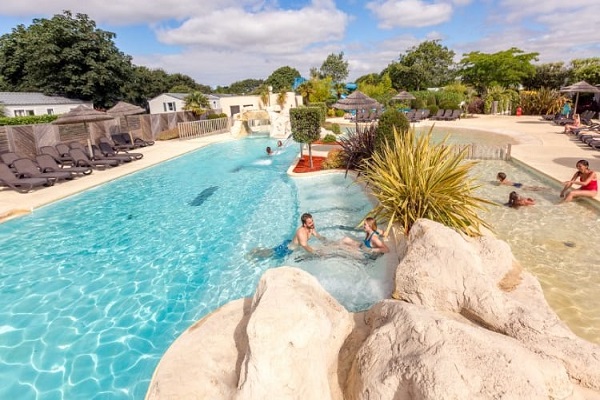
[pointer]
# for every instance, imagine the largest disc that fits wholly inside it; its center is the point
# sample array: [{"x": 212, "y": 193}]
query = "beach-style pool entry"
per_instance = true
[{"x": 96, "y": 287}]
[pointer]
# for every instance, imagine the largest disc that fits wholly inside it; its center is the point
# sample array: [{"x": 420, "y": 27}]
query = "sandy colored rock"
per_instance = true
[{"x": 412, "y": 353}]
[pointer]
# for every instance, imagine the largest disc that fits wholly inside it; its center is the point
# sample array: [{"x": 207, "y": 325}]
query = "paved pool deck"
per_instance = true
[{"x": 541, "y": 145}]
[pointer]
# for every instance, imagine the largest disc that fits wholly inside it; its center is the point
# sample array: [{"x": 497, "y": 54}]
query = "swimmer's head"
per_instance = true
[
  {"x": 269, "y": 151},
  {"x": 501, "y": 176},
  {"x": 371, "y": 223}
]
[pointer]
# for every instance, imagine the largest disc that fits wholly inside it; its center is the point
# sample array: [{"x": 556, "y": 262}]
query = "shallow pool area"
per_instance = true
[
  {"x": 558, "y": 243},
  {"x": 96, "y": 287}
]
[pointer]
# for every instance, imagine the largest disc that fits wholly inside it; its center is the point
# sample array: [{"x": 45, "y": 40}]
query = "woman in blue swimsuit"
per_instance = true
[{"x": 372, "y": 241}]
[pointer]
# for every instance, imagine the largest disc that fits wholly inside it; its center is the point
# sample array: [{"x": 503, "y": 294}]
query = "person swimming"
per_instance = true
[
  {"x": 514, "y": 200},
  {"x": 503, "y": 180}
]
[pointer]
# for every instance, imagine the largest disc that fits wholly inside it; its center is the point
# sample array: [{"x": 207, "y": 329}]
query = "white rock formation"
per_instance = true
[{"x": 470, "y": 325}]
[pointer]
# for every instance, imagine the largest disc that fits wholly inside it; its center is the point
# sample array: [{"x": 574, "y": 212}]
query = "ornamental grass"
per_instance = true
[{"x": 412, "y": 178}]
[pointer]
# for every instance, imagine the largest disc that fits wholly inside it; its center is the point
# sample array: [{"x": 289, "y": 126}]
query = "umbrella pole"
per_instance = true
[{"x": 576, "y": 101}]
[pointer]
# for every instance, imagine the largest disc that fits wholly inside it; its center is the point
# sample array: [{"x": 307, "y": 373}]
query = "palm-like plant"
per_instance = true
[
  {"x": 281, "y": 98},
  {"x": 264, "y": 95},
  {"x": 197, "y": 103},
  {"x": 305, "y": 89},
  {"x": 414, "y": 178}
]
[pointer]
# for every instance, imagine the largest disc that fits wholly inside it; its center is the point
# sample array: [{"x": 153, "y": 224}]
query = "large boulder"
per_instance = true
[
  {"x": 479, "y": 279},
  {"x": 412, "y": 353}
]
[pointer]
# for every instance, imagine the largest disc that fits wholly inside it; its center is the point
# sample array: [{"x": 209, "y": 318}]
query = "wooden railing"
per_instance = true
[
  {"x": 485, "y": 152},
  {"x": 195, "y": 129}
]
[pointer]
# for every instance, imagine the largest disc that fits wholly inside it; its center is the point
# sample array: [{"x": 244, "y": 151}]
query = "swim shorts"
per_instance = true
[{"x": 282, "y": 251}]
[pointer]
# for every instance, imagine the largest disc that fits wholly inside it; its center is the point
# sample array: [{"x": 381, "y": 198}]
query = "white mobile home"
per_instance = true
[
  {"x": 174, "y": 102},
  {"x": 18, "y": 104}
]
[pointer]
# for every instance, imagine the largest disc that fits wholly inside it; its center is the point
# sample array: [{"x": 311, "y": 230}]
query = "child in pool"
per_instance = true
[
  {"x": 503, "y": 180},
  {"x": 514, "y": 200}
]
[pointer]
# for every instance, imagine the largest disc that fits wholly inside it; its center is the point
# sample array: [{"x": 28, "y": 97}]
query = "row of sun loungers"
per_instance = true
[
  {"x": 441, "y": 115},
  {"x": 560, "y": 119},
  {"x": 63, "y": 162},
  {"x": 589, "y": 135}
]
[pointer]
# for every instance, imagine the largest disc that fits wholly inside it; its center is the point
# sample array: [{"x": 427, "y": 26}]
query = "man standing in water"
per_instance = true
[{"x": 304, "y": 232}]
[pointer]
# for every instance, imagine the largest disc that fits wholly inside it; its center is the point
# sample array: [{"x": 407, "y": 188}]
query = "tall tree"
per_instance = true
[
  {"x": 586, "y": 69},
  {"x": 427, "y": 65},
  {"x": 246, "y": 86},
  {"x": 305, "y": 89},
  {"x": 65, "y": 55},
  {"x": 550, "y": 75},
  {"x": 382, "y": 91},
  {"x": 335, "y": 67},
  {"x": 282, "y": 78},
  {"x": 506, "y": 68}
]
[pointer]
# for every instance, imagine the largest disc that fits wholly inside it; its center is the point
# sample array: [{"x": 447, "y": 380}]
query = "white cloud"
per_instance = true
[
  {"x": 409, "y": 13},
  {"x": 124, "y": 12},
  {"x": 270, "y": 32}
]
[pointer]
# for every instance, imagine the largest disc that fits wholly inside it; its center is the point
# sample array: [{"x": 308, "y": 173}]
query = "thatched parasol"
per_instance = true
[
  {"x": 122, "y": 109},
  {"x": 404, "y": 96},
  {"x": 579, "y": 87},
  {"x": 356, "y": 101},
  {"x": 82, "y": 114}
]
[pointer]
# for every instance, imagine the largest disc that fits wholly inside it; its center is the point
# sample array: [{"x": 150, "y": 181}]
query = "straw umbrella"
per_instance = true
[
  {"x": 123, "y": 109},
  {"x": 404, "y": 96},
  {"x": 356, "y": 101},
  {"x": 82, "y": 114},
  {"x": 579, "y": 87}
]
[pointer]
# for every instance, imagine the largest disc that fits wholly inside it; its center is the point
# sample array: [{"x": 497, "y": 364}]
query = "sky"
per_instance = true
[{"x": 223, "y": 41}]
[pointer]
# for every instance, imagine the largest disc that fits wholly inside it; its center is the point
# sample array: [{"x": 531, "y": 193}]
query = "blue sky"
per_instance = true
[{"x": 223, "y": 41}]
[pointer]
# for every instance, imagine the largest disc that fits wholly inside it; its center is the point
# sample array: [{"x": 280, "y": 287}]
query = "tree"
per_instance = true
[
  {"x": 369, "y": 79},
  {"x": 586, "y": 69},
  {"x": 506, "y": 68},
  {"x": 321, "y": 91},
  {"x": 550, "y": 75},
  {"x": 306, "y": 126},
  {"x": 181, "y": 89},
  {"x": 177, "y": 79},
  {"x": 382, "y": 91},
  {"x": 65, "y": 55},
  {"x": 246, "y": 86},
  {"x": 305, "y": 89},
  {"x": 427, "y": 65},
  {"x": 281, "y": 98},
  {"x": 197, "y": 103},
  {"x": 335, "y": 67},
  {"x": 282, "y": 78}
]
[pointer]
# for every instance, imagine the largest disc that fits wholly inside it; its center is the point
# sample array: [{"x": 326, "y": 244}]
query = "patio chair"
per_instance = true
[
  {"x": 108, "y": 151},
  {"x": 9, "y": 158},
  {"x": 98, "y": 155},
  {"x": 61, "y": 159},
  {"x": 48, "y": 164},
  {"x": 454, "y": 115},
  {"x": 82, "y": 160},
  {"x": 27, "y": 168},
  {"x": 21, "y": 185},
  {"x": 114, "y": 145}
]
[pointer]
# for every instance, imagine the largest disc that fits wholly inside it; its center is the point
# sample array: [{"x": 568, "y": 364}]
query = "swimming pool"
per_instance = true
[
  {"x": 96, "y": 287},
  {"x": 558, "y": 243}
]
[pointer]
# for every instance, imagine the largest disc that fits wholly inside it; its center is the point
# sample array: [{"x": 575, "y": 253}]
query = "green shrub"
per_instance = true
[
  {"x": 340, "y": 113},
  {"x": 334, "y": 160},
  {"x": 335, "y": 128},
  {"x": 306, "y": 126},
  {"x": 28, "y": 120},
  {"x": 329, "y": 138},
  {"x": 322, "y": 106},
  {"x": 216, "y": 116},
  {"x": 389, "y": 120},
  {"x": 433, "y": 109},
  {"x": 414, "y": 178}
]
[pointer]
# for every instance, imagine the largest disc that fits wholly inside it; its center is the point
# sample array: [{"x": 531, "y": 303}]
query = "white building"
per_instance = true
[
  {"x": 18, "y": 104},
  {"x": 174, "y": 102}
]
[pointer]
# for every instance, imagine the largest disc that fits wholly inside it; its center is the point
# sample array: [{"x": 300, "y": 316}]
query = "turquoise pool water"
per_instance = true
[{"x": 94, "y": 288}]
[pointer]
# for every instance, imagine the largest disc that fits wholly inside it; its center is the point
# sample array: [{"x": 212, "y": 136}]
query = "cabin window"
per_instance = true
[{"x": 50, "y": 111}]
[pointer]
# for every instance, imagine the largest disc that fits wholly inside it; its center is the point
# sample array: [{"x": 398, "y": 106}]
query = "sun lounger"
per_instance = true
[
  {"x": 64, "y": 151},
  {"x": 27, "y": 168},
  {"x": 454, "y": 115},
  {"x": 58, "y": 158},
  {"x": 438, "y": 114},
  {"x": 82, "y": 160},
  {"x": 99, "y": 156},
  {"x": 21, "y": 185},
  {"x": 48, "y": 164},
  {"x": 108, "y": 151},
  {"x": 9, "y": 158},
  {"x": 124, "y": 141}
]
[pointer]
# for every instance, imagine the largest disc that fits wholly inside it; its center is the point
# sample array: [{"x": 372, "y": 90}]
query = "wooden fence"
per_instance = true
[
  {"x": 475, "y": 151},
  {"x": 194, "y": 129}
]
